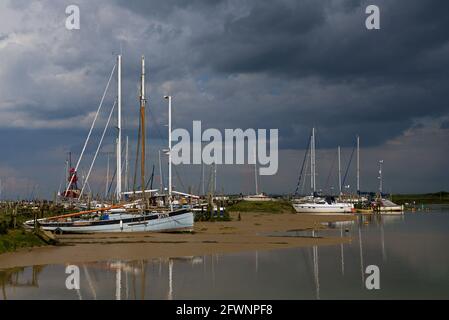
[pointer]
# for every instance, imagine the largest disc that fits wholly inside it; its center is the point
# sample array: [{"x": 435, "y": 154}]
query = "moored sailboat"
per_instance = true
[
  {"x": 314, "y": 204},
  {"x": 124, "y": 217}
]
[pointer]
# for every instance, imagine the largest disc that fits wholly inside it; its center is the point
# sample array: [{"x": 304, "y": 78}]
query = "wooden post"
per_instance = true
[
  {"x": 41, "y": 209},
  {"x": 14, "y": 214},
  {"x": 210, "y": 206},
  {"x": 35, "y": 221}
]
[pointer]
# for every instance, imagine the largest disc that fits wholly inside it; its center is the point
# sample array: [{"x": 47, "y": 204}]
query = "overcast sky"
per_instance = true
[{"x": 243, "y": 64}]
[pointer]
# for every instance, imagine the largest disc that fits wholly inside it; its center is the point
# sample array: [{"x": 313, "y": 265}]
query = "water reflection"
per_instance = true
[
  {"x": 19, "y": 278},
  {"x": 415, "y": 245}
]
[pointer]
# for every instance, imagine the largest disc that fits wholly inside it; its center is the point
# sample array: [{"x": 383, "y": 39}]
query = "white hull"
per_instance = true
[
  {"x": 153, "y": 222},
  {"x": 257, "y": 199},
  {"x": 317, "y": 208},
  {"x": 385, "y": 205}
]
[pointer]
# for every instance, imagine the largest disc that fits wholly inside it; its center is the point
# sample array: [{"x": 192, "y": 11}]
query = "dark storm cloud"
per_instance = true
[
  {"x": 321, "y": 38},
  {"x": 390, "y": 77}
]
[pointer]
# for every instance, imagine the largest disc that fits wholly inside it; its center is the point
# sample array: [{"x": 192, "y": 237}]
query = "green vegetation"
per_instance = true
[
  {"x": 12, "y": 216},
  {"x": 209, "y": 216},
  {"x": 427, "y": 198},
  {"x": 280, "y": 206},
  {"x": 16, "y": 239}
]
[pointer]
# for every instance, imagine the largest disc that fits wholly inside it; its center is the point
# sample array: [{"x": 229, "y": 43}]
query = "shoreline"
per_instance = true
[{"x": 249, "y": 234}]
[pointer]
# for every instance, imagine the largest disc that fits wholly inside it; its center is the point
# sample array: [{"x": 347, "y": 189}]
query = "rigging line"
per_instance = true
[
  {"x": 349, "y": 164},
  {"x": 201, "y": 178},
  {"x": 209, "y": 181},
  {"x": 150, "y": 180},
  {"x": 62, "y": 179},
  {"x": 98, "y": 149},
  {"x": 136, "y": 165},
  {"x": 304, "y": 180},
  {"x": 302, "y": 168},
  {"x": 112, "y": 181},
  {"x": 113, "y": 177},
  {"x": 179, "y": 179},
  {"x": 87, "y": 183},
  {"x": 156, "y": 125},
  {"x": 330, "y": 172},
  {"x": 91, "y": 128}
]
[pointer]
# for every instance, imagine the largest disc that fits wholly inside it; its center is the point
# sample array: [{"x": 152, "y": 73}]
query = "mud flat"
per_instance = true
[{"x": 248, "y": 234}]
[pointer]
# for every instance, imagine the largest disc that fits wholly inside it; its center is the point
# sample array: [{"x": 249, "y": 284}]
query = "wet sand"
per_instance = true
[{"x": 249, "y": 234}]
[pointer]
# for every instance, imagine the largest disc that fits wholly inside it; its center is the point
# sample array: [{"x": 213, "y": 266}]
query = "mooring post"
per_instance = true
[
  {"x": 35, "y": 220},
  {"x": 14, "y": 214}
]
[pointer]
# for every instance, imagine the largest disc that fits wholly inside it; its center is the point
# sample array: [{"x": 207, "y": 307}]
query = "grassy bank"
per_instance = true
[
  {"x": 280, "y": 206},
  {"x": 427, "y": 198},
  {"x": 16, "y": 239},
  {"x": 12, "y": 216}
]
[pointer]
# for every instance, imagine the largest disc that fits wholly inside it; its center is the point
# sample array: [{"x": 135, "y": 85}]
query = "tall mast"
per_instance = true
[
  {"x": 67, "y": 168},
  {"x": 339, "y": 170},
  {"x": 380, "y": 177},
  {"x": 202, "y": 178},
  {"x": 312, "y": 162},
  {"x": 169, "y": 153},
  {"x": 255, "y": 171},
  {"x": 161, "y": 184},
  {"x": 142, "y": 128},
  {"x": 119, "y": 127},
  {"x": 126, "y": 165},
  {"x": 215, "y": 178},
  {"x": 358, "y": 164}
]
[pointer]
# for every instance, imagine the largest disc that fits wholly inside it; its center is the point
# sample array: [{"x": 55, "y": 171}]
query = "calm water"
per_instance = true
[{"x": 411, "y": 250}]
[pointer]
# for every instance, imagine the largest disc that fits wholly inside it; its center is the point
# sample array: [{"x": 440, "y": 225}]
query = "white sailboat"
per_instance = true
[
  {"x": 319, "y": 205},
  {"x": 127, "y": 217},
  {"x": 384, "y": 205},
  {"x": 257, "y": 196}
]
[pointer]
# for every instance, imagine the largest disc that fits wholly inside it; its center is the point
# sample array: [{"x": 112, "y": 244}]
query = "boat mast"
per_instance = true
[
  {"x": 169, "y": 154},
  {"x": 358, "y": 164},
  {"x": 202, "y": 178},
  {"x": 312, "y": 162},
  {"x": 339, "y": 170},
  {"x": 142, "y": 128},
  {"x": 161, "y": 185},
  {"x": 126, "y": 165},
  {"x": 255, "y": 171},
  {"x": 67, "y": 168},
  {"x": 119, "y": 127},
  {"x": 380, "y": 177},
  {"x": 215, "y": 178}
]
